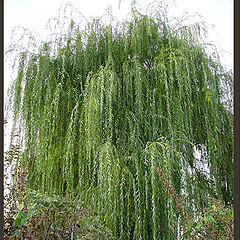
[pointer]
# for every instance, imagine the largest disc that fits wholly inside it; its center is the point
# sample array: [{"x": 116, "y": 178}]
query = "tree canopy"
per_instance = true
[{"x": 114, "y": 111}]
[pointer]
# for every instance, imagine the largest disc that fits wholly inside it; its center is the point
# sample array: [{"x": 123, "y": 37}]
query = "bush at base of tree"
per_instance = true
[
  {"x": 216, "y": 223},
  {"x": 33, "y": 215}
]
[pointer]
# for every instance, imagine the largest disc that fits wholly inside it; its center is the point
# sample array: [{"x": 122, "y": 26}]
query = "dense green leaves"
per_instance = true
[{"x": 114, "y": 103}]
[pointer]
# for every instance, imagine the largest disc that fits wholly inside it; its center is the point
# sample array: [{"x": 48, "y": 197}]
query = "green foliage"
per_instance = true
[
  {"x": 215, "y": 223},
  {"x": 33, "y": 215},
  {"x": 113, "y": 103}
]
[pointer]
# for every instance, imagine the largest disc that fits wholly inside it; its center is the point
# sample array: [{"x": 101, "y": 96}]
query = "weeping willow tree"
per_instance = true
[{"x": 101, "y": 111}]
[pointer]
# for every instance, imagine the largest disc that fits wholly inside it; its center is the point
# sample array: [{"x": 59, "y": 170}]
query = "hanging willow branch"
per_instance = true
[{"x": 113, "y": 103}]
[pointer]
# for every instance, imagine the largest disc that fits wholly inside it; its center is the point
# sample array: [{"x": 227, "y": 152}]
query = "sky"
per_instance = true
[
  {"x": 218, "y": 15},
  {"x": 30, "y": 14}
]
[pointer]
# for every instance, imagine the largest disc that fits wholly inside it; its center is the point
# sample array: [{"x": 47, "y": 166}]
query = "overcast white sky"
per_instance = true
[{"x": 31, "y": 14}]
